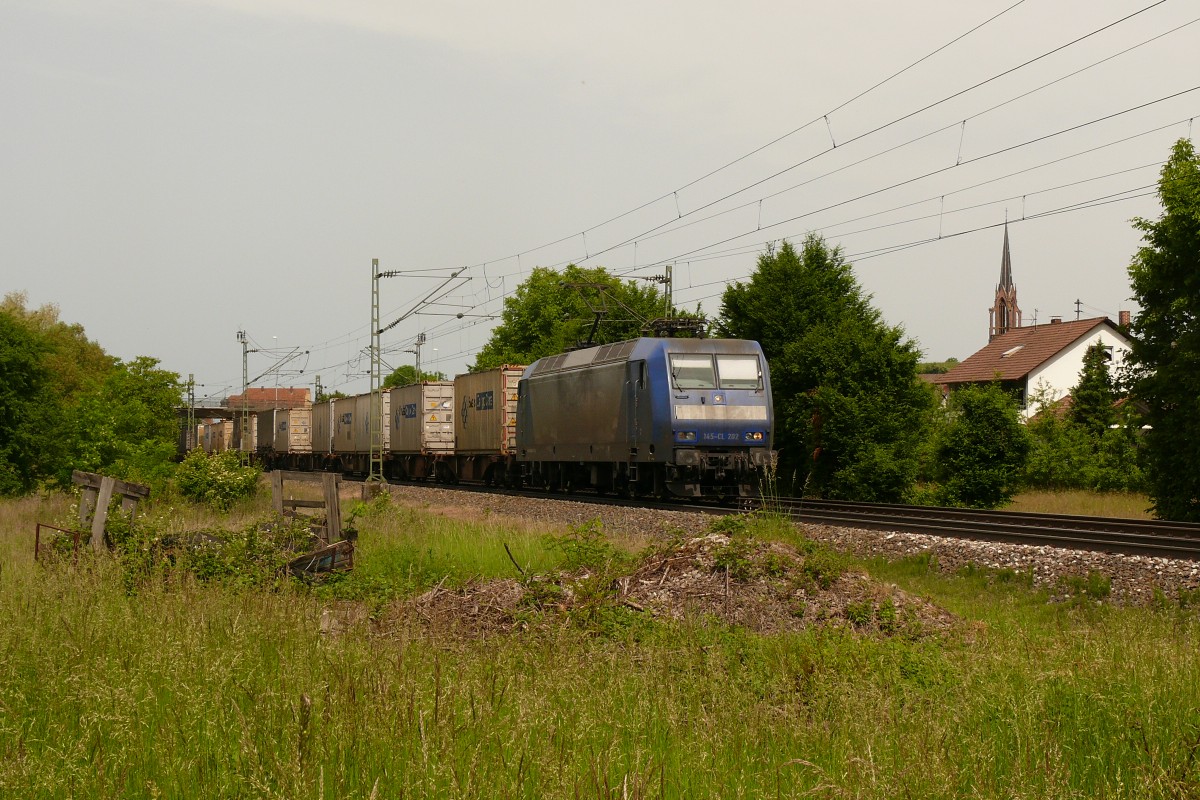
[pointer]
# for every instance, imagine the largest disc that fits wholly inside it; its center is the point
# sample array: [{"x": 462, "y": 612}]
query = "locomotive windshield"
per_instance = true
[
  {"x": 732, "y": 372},
  {"x": 693, "y": 372},
  {"x": 739, "y": 372}
]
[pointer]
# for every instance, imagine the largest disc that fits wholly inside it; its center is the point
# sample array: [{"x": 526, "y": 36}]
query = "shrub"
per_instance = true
[
  {"x": 1065, "y": 455},
  {"x": 736, "y": 557},
  {"x": 1095, "y": 586},
  {"x": 218, "y": 480},
  {"x": 982, "y": 450},
  {"x": 824, "y": 566},
  {"x": 584, "y": 546},
  {"x": 860, "y": 613}
]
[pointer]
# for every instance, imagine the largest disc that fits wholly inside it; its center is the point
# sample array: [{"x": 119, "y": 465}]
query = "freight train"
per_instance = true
[{"x": 649, "y": 416}]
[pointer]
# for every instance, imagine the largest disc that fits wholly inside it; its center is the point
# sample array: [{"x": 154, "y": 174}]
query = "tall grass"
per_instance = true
[
  {"x": 405, "y": 550},
  {"x": 184, "y": 689}
]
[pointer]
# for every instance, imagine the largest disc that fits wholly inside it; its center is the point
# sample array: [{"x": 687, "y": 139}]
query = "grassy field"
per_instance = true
[
  {"x": 1090, "y": 504},
  {"x": 178, "y": 688}
]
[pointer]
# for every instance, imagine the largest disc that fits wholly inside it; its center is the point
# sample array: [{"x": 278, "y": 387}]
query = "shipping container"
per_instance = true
[
  {"x": 343, "y": 425},
  {"x": 361, "y": 439},
  {"x": 291, "y": 430},
  {"x": 246, "y": 441},
  {"x": 216, "y": 436},
  {"x": 422, "y": 418},
  {"x": 322, "y": 427},
  {"x": 485, "y": 411}
]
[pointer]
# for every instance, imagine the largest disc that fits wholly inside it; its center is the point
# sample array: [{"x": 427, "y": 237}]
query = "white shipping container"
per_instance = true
[
  {"x": 291, "y": 430},
  {"x": 245, "y": 440},
  {"x": 422, "y": 418},
  {"x": 217, "y": 436}
]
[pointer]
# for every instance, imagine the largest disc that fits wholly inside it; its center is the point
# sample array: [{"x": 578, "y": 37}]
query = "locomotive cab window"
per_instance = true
[
  {"x": 739, "y": 372},
  {"x": 693, "y": 372}
]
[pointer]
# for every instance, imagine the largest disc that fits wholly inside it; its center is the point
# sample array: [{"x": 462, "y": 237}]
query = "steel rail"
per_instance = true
[
  {"x": 1106, "y": 534},
  {"x": 1155, "y": 538},
  {"x": 1113, "y": 524}
]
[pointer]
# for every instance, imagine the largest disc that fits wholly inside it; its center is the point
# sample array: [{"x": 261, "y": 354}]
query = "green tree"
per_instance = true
[
  {"x": 849, "y": 407},
  {"x": 73, "y": 406},
  {"x": 551, "y": 312},
  {"x": 74, "y": 362},
  {"x": 22, "y": 391},
  {"x": 128, "y": 425},
  {"x": 1165, "y": 357},
  {"x": 1097, "y": 452},
  {"x": 406, "y": 374},
  {"x": 936, "y": 367},
  {"x": 981, "y": 453},
  {"x": 74, "y": 366},
  {"x": 1093, "y": 397}
]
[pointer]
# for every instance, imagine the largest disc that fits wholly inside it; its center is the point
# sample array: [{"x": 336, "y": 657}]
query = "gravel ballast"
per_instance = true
[{"x": 1133, "y": 578}]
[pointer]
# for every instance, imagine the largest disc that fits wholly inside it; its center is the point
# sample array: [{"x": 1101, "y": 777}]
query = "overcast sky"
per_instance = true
[{"x": 173, "y": 171}]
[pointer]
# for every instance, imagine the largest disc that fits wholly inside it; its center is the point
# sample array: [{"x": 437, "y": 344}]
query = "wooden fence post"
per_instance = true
[
  {"x": 333, "y": 508},
  {"x": 101, "y": 515}
]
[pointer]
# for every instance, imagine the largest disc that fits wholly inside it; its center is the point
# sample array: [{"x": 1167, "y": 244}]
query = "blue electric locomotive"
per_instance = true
[{"x": 667, "y": 417}]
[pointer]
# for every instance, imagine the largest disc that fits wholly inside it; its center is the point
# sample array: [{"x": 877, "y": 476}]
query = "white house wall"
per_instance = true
[{"x": 1061, "y": 373}]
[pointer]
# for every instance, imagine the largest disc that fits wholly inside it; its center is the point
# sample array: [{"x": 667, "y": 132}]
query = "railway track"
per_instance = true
[{"x": 1103, "y": 534}]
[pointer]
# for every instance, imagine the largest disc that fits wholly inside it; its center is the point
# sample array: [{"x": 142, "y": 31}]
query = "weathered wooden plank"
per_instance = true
[
  {"x": 87, "y": 504},
  {"x": 129, "y": 506},
  {"x": 334, "y": 557},
  {"x": 124, "y": 488},
  {"x": 303, "y": 504},
  {"x": 292, "y": 475},
  {"x": 277, "y": 491},
  {"x": 101, "y": 515},
  {"x": 333, "y": 508}
]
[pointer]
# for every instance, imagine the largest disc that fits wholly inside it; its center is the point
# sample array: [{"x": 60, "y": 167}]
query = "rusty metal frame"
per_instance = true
[{"x": 75, "y": 537}]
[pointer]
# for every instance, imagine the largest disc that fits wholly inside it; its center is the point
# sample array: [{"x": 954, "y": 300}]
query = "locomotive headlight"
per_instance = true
[
  {"x": 685, "y": 436},
  {"x": 754, "y": 436}
]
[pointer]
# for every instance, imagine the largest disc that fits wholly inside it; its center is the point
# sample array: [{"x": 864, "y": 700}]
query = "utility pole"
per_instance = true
[
  {"x": 376, "y": 361},
  {"x": 1078, "y": 308},
  {"x": 317, "y": 391},
  {"x": 669, "y": 291},
  {"x": 189, "y": 441},
  {"x": 243, "y": 441},
  {"x": 376, "y": 422},
  {"x": 416, "y": 350}
]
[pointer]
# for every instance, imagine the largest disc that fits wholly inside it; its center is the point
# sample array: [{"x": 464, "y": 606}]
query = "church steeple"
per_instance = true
[{"x": 1004, "y": 314}]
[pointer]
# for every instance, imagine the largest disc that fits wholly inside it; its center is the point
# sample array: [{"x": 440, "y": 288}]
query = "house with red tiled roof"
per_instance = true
[
  {"x": 265, "y": 399},
  {"x": 1040, "y": 360},
  {"x": 1035, "y": 361}
]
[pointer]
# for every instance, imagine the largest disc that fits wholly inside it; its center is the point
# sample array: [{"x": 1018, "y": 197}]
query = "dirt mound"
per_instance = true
[
  {"x": 476, "y": 609},
  {"x": 773, "y": 587},
  {"x": 765, "y": 587}
]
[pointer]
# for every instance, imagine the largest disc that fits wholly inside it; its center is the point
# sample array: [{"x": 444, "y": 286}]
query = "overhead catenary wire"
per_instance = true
[
  {"x": 879, "y": 128},
  {"x": 921, "y": 137},
  {"x": 518, "y": 256},
  {"x": 893, "y": 248},
  {"x": 711, "y": 173},
  {"x": 931, "y": 173}
]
